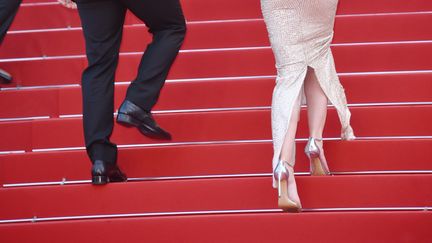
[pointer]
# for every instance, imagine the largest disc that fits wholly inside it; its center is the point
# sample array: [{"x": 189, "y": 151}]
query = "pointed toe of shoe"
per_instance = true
[{"x": 5, "y": 77}]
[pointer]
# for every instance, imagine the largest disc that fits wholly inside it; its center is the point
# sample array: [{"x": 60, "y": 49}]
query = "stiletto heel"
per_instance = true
[
  {"x": 313, "y": 152},
  {"x": 281, "y": 174}
]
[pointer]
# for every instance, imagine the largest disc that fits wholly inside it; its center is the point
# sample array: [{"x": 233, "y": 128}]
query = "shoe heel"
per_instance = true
[
  {"x": 99, "y": 180},
  {"x": 317, "y": 168},
  {"x": 313, "y": 152},
  {"x": 127, "y": 120},
  {"x": 284, "y": 202}
]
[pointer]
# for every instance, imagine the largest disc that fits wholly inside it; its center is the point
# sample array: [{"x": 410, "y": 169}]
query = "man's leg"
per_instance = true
[
  {"x": 102, "y": 23},
  {"x": 167, "y": 24},
  {"x": 8, "y": 10}
]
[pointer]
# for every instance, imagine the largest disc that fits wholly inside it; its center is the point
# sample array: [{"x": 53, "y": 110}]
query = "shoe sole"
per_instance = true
[
  {"x": 318, "y": 168},
  {"x": 284, "y": 202}
]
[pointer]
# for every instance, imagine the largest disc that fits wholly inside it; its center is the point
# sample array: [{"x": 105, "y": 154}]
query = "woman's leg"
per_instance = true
[
  {"x": 317, "y": 105},
  {"x": 288, "y": 149},
  {"x": 317, "y": 110}
]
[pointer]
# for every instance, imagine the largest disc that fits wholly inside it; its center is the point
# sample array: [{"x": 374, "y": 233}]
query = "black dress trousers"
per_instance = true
[
  {"x": 102, "y": 22},
  {"x": 8, "y": 10}
]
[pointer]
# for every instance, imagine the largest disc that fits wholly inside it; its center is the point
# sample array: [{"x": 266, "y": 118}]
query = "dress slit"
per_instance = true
[
  {"x": 300, "y": 33},
  {"x": 281, "y": 116}
]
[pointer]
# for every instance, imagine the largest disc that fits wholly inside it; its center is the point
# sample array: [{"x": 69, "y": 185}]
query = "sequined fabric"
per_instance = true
[{"x": 300, "y": 33}]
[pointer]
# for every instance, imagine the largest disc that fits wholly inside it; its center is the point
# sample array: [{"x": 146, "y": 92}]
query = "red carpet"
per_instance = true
[{"x": 212, "y": 182}]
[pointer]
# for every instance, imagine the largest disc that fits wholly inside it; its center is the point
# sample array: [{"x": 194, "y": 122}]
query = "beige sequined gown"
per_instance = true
[{"x": 300, "y": 33}]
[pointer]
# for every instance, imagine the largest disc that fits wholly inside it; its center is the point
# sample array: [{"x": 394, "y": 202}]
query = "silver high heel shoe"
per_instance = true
[
  {"x": 313, "y": 152},
  {"x": 281, "y": 174}
]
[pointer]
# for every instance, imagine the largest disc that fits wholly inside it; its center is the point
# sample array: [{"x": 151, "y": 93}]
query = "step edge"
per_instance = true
[
  {"x": 236, "y": 78},
  {"x": 221, "y": 109},
  {"x": 199, "y": 22},
  {"x": 173, "y": 144},
  {"x": 35, "y": 219},
  {"x": 226, "y": 143},
  {"x": 64, "y": 181},
  {"x": 203, "y": 50}
]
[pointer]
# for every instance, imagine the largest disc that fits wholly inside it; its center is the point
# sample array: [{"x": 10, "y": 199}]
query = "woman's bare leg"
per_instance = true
[
  {"x": 288, "y": 150},
  {"x": 317, "y": 110}
]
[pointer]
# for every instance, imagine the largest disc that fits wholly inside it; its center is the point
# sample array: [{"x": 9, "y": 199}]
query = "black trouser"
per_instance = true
[
  {"x": 8, "y": 10},
  {"x": 102, "y": 23}
]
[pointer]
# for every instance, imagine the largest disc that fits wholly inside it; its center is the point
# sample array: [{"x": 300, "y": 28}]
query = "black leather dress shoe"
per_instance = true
[
  {"x": 5, "y": 77},
  {"x": 130, "y": 114},
  {"x": 103, "y": 172}
]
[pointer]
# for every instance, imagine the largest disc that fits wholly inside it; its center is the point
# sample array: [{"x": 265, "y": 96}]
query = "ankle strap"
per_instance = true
[{"x": 316, "y": 139}]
